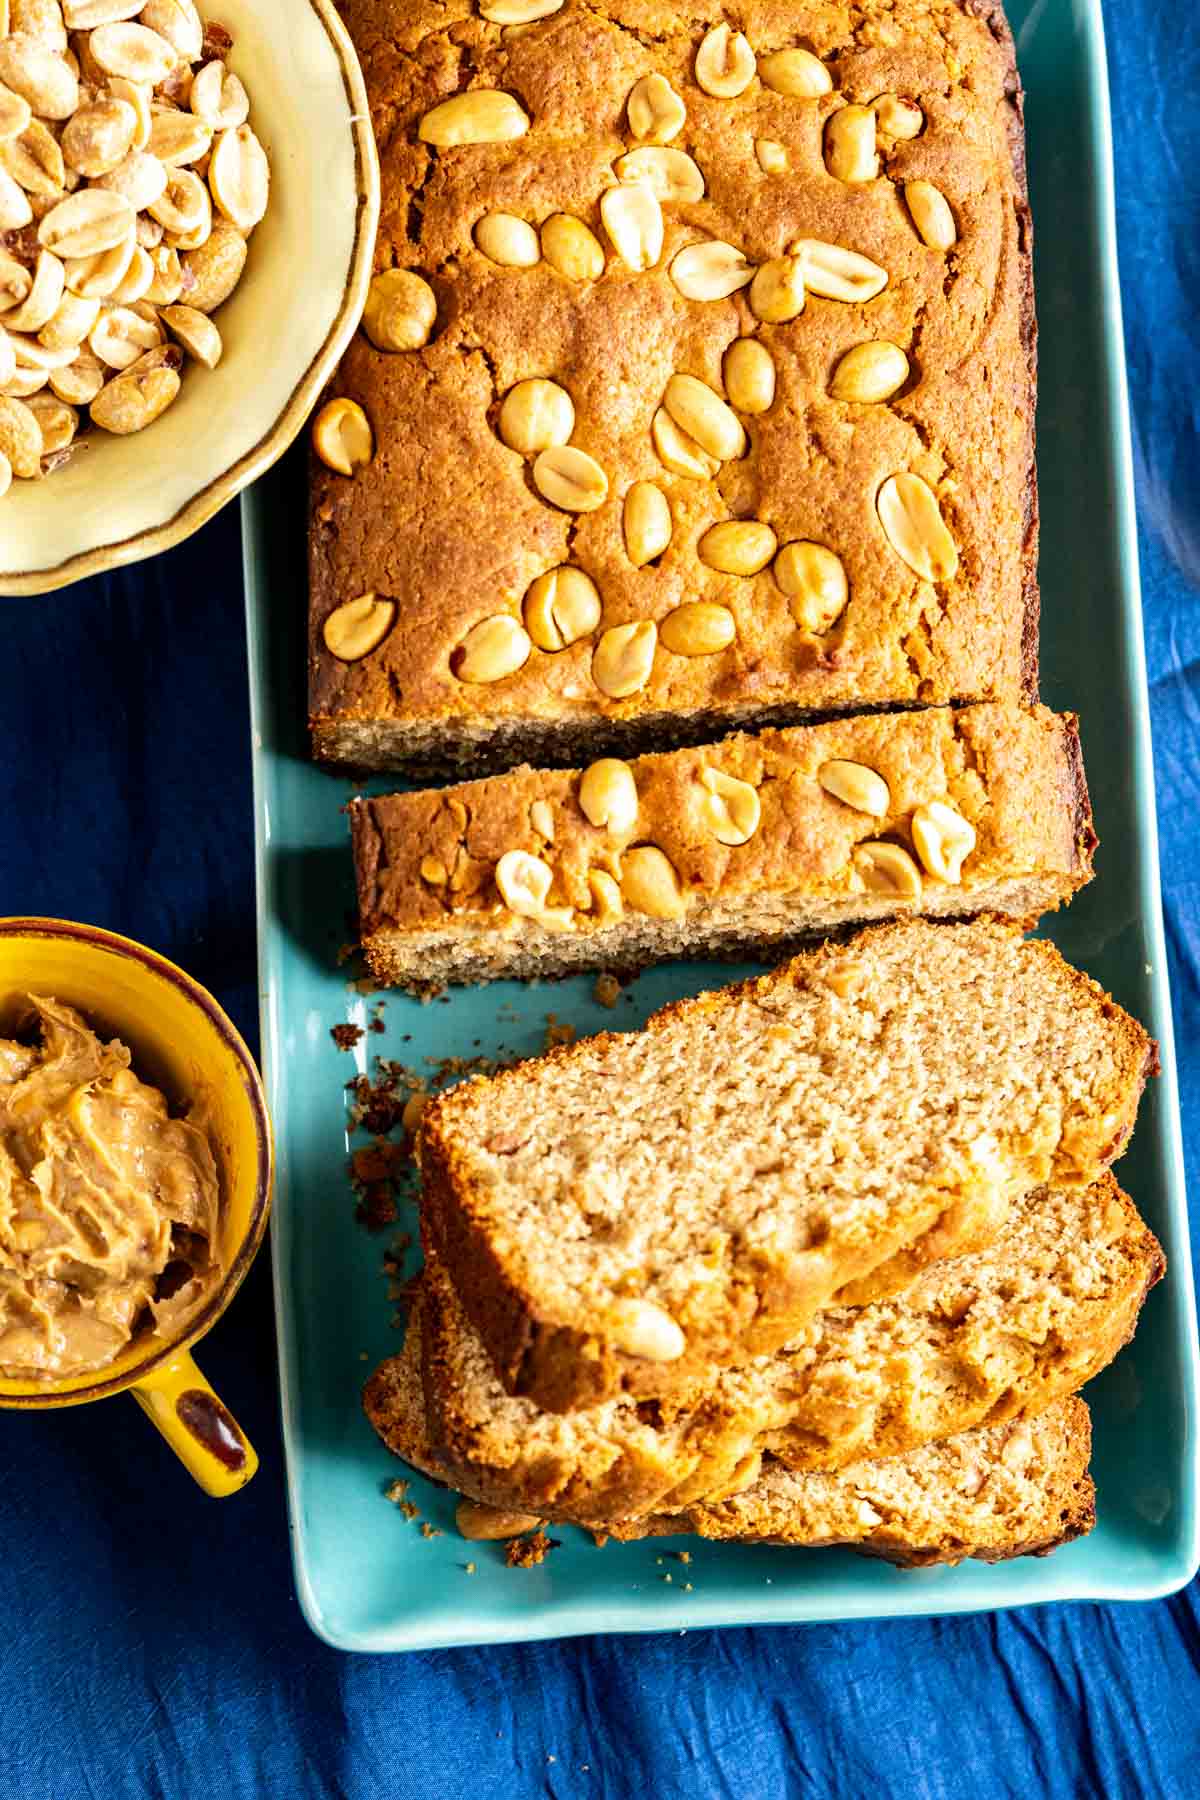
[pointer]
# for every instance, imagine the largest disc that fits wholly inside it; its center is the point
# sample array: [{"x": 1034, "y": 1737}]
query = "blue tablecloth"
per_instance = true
[{"x": 150, "y": 1641}]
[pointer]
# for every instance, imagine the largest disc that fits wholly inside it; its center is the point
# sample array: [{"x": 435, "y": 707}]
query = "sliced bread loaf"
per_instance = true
[
  {"x": 740, "y": 847},
  {"x": 998, "y": 1491},
  {"x": 634, "y": 1209},
  {"x": 976, "y": 1339},
  {"x": 1016, "y": 1489}
]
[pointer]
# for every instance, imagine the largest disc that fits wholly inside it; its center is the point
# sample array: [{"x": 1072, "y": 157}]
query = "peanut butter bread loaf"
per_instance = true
[
  {"x": 636, "y": 1208},
  {"x": 999, "y": 1490},
  {"x": 741, "y": 847},
  {"x": 1019, "y": 1489},
  {"x": 974, "y": 1340},
  {"x": 695, "y": 387}
]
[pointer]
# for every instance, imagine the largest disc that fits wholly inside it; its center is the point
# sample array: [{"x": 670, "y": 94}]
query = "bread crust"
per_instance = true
[
  {"x": 425, "y": 861},
  {"x": 445, "y": 520}
]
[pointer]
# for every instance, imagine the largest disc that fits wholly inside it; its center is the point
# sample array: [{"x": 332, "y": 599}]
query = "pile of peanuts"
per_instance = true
[{"x": 130, "y": 182}]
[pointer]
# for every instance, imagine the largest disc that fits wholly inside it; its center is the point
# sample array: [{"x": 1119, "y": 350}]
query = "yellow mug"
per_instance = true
[{"x": 181, "y": 1041}]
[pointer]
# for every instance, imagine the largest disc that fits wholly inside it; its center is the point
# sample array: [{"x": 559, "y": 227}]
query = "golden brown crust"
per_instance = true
[
  {"x": 425, "y": 861},
  {"x": 566, "y": 1357},
  {"x": 446, "y": 521}
]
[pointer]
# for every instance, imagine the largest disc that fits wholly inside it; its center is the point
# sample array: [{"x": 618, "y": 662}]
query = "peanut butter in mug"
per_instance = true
[{"x": 108, "y": 1206}]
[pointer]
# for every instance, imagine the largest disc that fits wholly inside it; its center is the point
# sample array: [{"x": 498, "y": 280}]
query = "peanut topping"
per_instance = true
[
  {"x": 797, "y": 73},
  {"x": 400, "y": 312},
  {"x": 837, "y": 273},
  {"x": 887, "y": 869},
  {"x": 561, "y": 607},
  {"x": 912, "y": 521},
  {"x": 897, "y": 117},
  {"x": 850, "y": 153},
  {"x": 705, "y": 417},
  {"x": 646, "y": 522},
  {"x": 737, "y": 547},
  {"x": 480, "y": 116},
  {"x": 655, "y": 111},
  {"x": 524, "y": 882},
  {"x": 772, "y": 156},
  {"x": 943, "y": 840},
  {"x": 493, "y": 649},
  {"x": 870, "y": 373},
  {"x": 698, "y": 628},
  {"x": 518, "y": 12},
  {"x": 633, "y": 220},
  {"x": 507, "y": 240},
  {"x": 342, "y": 436},
  {"x": 623, "y": 658},
  {"x": 672, "y": 174},
  {"x": 724, "y": 63},
  {"x": 608, "y": 796},
  {"x": 571, "y": 248},
  {"x": 681, "y": 453},
  {"x": 814, "y": 580},
  {"x": 357, "y": 627},
  {"x": 535, "y": 415},
  {"x": 649, "y": 883},
  {"x": 710, "y": 271},
  {"x": 732, "y": 808},
  {"x": 777, "y": 291},
  {"x": 749, "y": 373},
  {"x": 931, "y": 214},
  {"x": 856, "y": 786},
  {"x": 570, "y": 478}
]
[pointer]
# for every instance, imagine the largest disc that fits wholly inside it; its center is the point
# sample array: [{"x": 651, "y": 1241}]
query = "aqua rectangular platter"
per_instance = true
[{"x": 368, "y": 1579}]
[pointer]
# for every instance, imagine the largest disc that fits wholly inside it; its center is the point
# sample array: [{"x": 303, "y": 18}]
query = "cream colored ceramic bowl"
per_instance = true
[{"x": 284, "y": 327}]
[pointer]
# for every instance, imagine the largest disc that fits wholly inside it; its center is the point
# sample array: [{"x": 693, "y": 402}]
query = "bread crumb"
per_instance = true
[
  {"x": 558, "y": 1031},
  {"x": 396, "y": 1491},
  {"x": 527, "y": 1552},
  {"x": 429, "y": 1531},
  {"x": 668, "y": 1576},
  {"x": 607, "y": 990},
  {"x": 687, "y": 1587},
  {"x": 409, "y": 1510},
  {"x": 347, "y": 1036},
  {"x": 470, "y": 1568}
]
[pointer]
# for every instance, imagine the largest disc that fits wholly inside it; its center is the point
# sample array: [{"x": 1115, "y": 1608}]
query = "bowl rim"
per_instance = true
[
  {"x": 112, "y": 942},
  {"x": 270, "y": 447}
]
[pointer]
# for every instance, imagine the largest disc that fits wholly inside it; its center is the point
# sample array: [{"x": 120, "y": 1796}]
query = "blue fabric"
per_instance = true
[{"x": 150, "y": 1642}]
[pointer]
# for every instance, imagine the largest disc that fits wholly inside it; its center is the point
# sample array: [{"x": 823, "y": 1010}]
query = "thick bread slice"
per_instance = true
[
  {"x": 427, "y": 862},
  {"x": 1018, "y": 1489},
  {"x": 634, "y": 1209},
  {"x": 1001, "y": 1490},
  {"x": 975, "y": 1340}
]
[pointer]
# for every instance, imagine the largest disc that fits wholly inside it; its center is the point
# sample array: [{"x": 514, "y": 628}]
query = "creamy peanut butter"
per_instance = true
[{"x": 108, "y": 1205}]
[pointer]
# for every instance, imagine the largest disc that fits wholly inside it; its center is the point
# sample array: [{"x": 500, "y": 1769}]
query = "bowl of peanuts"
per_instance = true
[{"x": 188, "y": 201}]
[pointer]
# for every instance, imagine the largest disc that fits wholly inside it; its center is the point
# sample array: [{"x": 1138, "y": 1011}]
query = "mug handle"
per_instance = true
[{"x": 199, "y": 1427}]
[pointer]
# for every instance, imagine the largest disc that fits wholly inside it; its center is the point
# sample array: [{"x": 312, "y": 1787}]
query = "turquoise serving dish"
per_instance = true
[{"x": 368, "y": 1578}]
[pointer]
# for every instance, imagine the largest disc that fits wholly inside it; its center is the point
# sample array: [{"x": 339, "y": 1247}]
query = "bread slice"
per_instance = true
[
  {"x": 628, "y": 1212},
  {"x": 976, "y": 1339},
  {"x": 998, "y": 1491},
  {"x": 1016, "y": 1489},
  {"x": 432, "y": 880}
]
